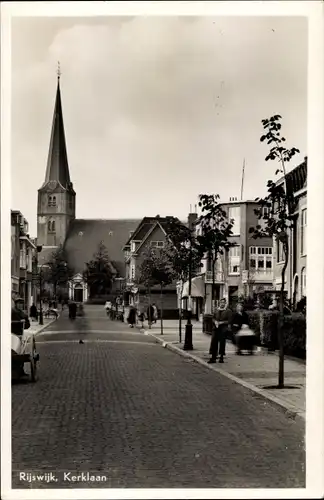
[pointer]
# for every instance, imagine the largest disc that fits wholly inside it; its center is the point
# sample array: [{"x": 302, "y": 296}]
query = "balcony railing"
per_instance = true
[
  {"x": 219, "y": 277},
  {"x": 258, "y": 276}
]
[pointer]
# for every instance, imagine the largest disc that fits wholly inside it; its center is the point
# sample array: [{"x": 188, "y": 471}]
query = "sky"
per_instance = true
[{"x": 156, "y": 109}]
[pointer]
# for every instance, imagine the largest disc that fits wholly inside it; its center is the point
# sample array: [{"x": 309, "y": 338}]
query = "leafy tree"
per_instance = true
[
  {"x": 215, "y": 231},
  {"x": 99, "y": 272},
  {"x": 279, "y": 218},
  {"x": 58, "y": 271},
  {"x": 183, "y": 253},
  {"x": 156, "y": 270}
]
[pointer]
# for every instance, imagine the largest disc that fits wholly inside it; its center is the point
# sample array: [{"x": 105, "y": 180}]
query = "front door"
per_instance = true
[{"x": 78, "y": 294}]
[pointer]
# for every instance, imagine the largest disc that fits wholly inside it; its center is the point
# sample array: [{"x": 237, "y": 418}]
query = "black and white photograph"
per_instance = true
[{"x": 161, "y": 184}]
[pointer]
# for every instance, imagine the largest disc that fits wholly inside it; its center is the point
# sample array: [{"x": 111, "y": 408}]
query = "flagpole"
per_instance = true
[{"x": 243, "y": 170}]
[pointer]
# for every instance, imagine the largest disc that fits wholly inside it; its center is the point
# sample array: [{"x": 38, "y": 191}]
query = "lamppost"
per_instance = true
[
  {"x": 188, "y": 331},
  {"x": 39, "y": 274}
]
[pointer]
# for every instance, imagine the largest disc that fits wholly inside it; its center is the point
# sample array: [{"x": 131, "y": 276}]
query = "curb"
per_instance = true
[
  {"x": 44, "y": 326},
  {"x": 289, "y": 409}
]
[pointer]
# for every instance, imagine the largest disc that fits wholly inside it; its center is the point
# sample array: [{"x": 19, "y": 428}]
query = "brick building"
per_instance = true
[
  {"x": 295, "y": 277},
  {"x": 150, "y": 233},
  {"x": 23, "y": 249},
  {"x": 248, "y": 266}
]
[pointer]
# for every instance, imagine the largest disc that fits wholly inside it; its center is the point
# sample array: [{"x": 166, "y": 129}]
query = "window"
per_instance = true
[
  {"x": 51, "y": 226},
  {"x": 261, "y": 258},
  {"x": 280, "y": 252},
  {"x": 52, "y": 201},
  {"x": 133, "y": 246},
  {"x": 303, "y": 227},
  {"x": 157, "y": 244},
  {"x": 265, "y": 211},
  {"x": 235, "y": 214},
  {"x": 303, "y": 282},
  {"x": 234, "y": 259},
  {"x": 23, "y": 255}
]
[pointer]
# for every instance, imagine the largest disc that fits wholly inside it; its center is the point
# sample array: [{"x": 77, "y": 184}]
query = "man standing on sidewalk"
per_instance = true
[{"x": 221, "y": 325}]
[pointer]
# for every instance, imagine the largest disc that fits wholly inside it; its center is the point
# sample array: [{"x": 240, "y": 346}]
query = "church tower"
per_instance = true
[{"x": 56, "y": 197}]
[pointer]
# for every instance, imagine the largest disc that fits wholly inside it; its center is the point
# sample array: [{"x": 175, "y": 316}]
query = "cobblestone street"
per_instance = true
[{"x": 123, "y": 407}]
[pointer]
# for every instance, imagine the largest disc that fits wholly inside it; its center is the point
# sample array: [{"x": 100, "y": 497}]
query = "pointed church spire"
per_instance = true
[{"x": 57, "y": 164}]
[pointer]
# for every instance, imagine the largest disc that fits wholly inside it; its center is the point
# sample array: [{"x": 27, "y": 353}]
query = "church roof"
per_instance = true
[
  {"x": 57, "y": 163},
  {"x": 84, "y": 236},
  {"x": 46, "y": 255}
]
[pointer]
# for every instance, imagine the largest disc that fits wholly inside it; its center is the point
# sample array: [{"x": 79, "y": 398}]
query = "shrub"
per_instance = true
[
  {"x": 254, "y": 318},
  {"x": 265, "y": 326},
  {"x": 295, "y": 335}
]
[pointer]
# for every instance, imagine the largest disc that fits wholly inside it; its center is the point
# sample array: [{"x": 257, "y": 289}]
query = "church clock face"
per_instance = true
[{"x": 52, "y": 184}]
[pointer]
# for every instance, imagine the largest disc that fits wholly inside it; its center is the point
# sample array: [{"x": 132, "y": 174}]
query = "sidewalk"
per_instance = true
[
  {"x": 36, "y": 328},
  {"x": 258, "y": 372}
]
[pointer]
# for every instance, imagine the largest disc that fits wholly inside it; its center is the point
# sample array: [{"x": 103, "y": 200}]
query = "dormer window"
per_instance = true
[{"x": 51, "y": 226}]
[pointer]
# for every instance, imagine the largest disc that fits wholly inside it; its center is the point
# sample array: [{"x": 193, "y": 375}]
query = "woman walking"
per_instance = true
[{"x": 131, "y": 316}]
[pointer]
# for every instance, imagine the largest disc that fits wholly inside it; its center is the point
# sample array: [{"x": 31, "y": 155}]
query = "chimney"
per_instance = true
[{"x": 192, "y": 218}]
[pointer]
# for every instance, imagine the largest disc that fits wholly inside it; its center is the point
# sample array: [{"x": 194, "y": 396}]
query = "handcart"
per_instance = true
[{"x": 23, "y": 350}]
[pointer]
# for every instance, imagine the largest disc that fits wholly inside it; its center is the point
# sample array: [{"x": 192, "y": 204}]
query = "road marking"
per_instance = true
[
  {"x": 49, "y": 332},
  {"x": 85, "y": 341}
]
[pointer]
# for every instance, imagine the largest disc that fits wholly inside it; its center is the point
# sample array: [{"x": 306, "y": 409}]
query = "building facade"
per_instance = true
[
  {"x": 296, "y": 272},
  {"x": 23, "y": 250},
  {"x": 248, "y": 266},
  {"x": 150, "y": 233}
]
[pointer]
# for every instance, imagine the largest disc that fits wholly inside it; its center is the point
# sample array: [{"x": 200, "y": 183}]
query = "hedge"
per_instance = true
[{"x": 265, "y": 326}]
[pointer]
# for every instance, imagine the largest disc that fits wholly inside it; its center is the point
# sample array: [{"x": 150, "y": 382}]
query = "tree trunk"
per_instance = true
[
  {"x": 161, "y": 309},
  {"x": 281, "y": 319},
  {"x": 149, "y": 308},
  {"x": 213, "y": 285}
]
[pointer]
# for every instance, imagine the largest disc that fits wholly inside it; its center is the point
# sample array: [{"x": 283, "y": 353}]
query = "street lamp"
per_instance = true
[
  {"x": 188, "y": 331},
  {"x": 39, "y": 273}
]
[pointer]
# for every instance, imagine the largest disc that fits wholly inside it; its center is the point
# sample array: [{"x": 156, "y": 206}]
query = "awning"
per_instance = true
[{"x": 197, "y": 287}]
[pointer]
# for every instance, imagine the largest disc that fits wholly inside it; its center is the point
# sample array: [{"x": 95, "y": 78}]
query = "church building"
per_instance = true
[{"x": 56, "y": 216}]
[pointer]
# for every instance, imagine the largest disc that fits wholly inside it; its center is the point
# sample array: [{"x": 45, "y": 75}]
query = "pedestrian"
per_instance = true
[
  {"x": 141, "y": 315},
  {"x": 221, "y": 325},
  {"x": 150, "y": 315},
  {"x": 131, "y": 316},
  {"x": 33, "y": 312},
  {"x": 72, "y": 310},
  {"x": 155, "y": 313},
  {"x": 108, "y": 308},
  {"x": 239, "y": 319}
]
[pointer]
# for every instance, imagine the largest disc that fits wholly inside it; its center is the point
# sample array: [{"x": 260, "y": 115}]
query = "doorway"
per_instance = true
[{"x": 78, "y": 293}]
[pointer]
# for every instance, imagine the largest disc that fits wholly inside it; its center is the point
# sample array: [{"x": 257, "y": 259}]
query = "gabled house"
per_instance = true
[
  {"x": 295, "y": 276},
  {"x": 151, "y": 232}
]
